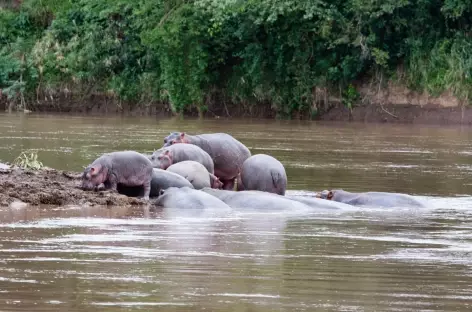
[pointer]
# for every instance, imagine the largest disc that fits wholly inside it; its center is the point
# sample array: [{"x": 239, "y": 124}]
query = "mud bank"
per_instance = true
[
  {"x": 401, "y": 113},
  {"x": 397, "y": 107},
  {"x": 54, "y": 187}
]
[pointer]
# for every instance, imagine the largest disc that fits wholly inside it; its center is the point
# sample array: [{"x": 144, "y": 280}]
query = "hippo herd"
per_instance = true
[{"x": 215, "y": 170}]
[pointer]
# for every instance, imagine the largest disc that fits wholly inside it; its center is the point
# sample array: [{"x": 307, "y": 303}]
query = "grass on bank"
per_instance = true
[{"x": 28, "y": 160}]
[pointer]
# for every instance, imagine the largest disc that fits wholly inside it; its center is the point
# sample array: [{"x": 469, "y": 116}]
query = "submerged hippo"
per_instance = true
[
  {"x": 166, "y": 156},
  {"x": 129, "y": 168},
  {"x": 188, "y": 198},
  {"x": 262, "y": 172},
  {"x": 161, "y": 180},
  {"x": 228, "y": 154},
  {"x": 378, "y": 199},
  {"x": 196, "y": 174},
  {"x": 319, "y": 202},
  {"x": 261, "y": 201}
]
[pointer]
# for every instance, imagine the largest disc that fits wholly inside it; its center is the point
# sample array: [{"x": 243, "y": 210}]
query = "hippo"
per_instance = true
[
  {"x": 319, "y": 202},
  {"x": 188, "y": 198},
  {"x": 161, "y": 179},
  {"x": 196, "y": 174},
  {"x": 128, "y": 168},
  {"x": 263, "y": 172},
  {"x": 166, "y": 156},
  {"x": 256, "y": 200},
  {"x": 228, "y": 154},
  {"x": 377, "y": 199}
]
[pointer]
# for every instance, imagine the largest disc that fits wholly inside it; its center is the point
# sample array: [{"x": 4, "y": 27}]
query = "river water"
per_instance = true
[{"x": 129, "y": 259}]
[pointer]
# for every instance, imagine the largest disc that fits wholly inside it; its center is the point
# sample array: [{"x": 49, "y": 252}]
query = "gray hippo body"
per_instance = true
[
  {"x": 161, "y": 180},
  {"x": 166, "y": 156},
  {"x": 319, "y": 202},
  {"x": 228, "y": 154},
  {"x": 187, "y": 198},
  {"x": 194, "y": 172},
  {"x": 262, "y": 172},
  {"x": 128, "y": 168},
  {"x": 375, "y": 199},
  {"x": 256, "y": 200}
]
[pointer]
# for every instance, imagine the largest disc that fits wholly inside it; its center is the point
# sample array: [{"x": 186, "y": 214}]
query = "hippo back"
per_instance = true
[
  {"x": 319, "y": 202},
  {"x": 187, "y": 198},
  {"x": 193, "y": 171},
  {"x": 376, "y": 199},
  {"x": 163, "y": 179},
  {"x": 257, "y": 200},
  {"x": 264, "y": 173},
  {"x": 193, "y": 152},
  {"x": 228, "y": 154},
  {"x": 384, "y": 199},
  {"x": 183, "y": 152},
  {"x": 130, "y": 167}
]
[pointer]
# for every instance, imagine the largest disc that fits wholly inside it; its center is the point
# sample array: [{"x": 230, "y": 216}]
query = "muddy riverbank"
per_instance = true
[
  {"x": 428, "y": 114},
  {"x": 395, "y": 104},
  {"x": 54, "y": 187},
  {"x": 401, "y": 114}
]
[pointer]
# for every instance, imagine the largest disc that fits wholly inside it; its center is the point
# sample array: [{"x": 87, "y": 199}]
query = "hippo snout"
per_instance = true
[{"x": 87, "y": 185}]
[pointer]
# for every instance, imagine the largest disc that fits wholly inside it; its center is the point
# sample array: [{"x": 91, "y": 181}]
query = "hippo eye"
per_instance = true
[{"x": 165, "y": 140}]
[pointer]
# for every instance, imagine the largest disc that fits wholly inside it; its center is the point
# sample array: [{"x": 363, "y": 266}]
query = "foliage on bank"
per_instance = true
[{"x": 247, "y": 52}]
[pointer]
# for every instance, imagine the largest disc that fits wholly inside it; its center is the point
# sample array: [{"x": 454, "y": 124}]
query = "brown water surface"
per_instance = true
[{"x": 366, "y": 259}]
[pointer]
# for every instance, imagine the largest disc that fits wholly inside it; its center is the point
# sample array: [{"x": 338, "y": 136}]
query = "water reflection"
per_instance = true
[
  {"x": 29, "y": 213},
  {"x": 95, "y": 258}
]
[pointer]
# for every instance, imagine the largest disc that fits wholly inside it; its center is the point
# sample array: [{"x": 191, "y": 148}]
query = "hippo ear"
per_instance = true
[
  {"x": 182, "y": 135},
  {"x": 94, "y": 170},
  {"x": 330, "y": 195},
  {"x": 167, "y": 152}
]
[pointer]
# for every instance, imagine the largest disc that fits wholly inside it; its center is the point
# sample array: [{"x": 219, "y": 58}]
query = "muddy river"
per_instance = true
[{"x": 130, "y": 259}]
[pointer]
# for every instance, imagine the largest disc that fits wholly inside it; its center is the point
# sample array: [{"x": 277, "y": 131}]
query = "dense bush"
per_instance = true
[{"x": 249, "y": 51}]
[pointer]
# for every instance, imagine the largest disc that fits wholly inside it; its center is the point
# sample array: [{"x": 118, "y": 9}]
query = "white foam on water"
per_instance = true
[
  {"x": 246, "y": 295},
  {"x": 400, "y": 166},
  {"x": 84, "y": 222},
  {"x": 138, "y": 304},
  {"x": 19, "y": 280},
  {"x": 407, "y": 150}
]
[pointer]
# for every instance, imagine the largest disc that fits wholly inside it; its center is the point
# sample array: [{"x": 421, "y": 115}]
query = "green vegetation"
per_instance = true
[
  {"x": 28, "y": 160},
  {"x": 195, "y": 54}
]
